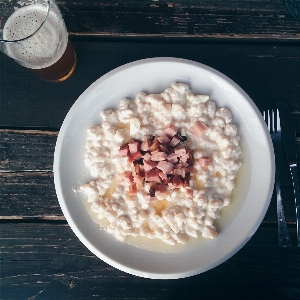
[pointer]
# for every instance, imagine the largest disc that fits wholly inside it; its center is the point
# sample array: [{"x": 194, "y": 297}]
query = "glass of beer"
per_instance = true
[{"x": 33, "y": 33}]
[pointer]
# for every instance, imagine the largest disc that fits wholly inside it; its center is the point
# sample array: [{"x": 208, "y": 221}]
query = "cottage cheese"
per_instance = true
[{"x": 171, "y": 217}]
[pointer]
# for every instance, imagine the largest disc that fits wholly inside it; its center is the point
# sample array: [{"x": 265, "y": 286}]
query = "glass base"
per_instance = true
[{"x": 65, "y": 77}]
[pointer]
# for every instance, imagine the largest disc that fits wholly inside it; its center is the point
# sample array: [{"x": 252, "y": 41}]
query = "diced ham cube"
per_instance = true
[
  {"x": 174, "y": 141},
  {"x": 163, "y": 148},
  {"x": 172, "y": 158},
  {"x": 180, "y": 151},
  {"x": 180, "y": 172},
  {"x": 155, "y": 151},
  {"x": 184, "y": 158},
  {"x": 167, "y": 180},
  {"x": 132, "y": 189},
  {"x": 147, "y": 156},
  {"x": 199, "y": 129},
  {"x": 145, "y": 145},
  {"x": 128, "y": 177},
  {"x": 170, "y": 130},
  {"x": 149, "y": 165},
  {"x": 162, "y": 188},
  {"x": 162, "y": 175},
  {"x": 205, "y": 161},
  {"x": 134, "y": 146},
  {"x": 184, "y": 164},
  {"x": 152, "y": 175},
  {"x": 165, "y": 166},
  {"x": 123, "y": 152},
  {"x": 175, "y": 182},
  {"x": 163, "y": 139},
  {"x": 136, "y": 156},
  {"x": 158, "y": 156}
]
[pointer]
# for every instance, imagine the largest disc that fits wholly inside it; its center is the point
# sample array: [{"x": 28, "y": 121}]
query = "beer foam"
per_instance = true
[{"x": 46, "y": 45}]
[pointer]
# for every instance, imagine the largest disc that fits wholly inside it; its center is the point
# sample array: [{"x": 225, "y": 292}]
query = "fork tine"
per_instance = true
[
  {"x": 265, "y": 116},
  {"x": 270, "y": 121},
  {"x": 278, "y": 120}
]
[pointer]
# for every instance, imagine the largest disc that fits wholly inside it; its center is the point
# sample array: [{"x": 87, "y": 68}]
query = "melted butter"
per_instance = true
[
  {"x": 159, "y": 206},
  {"x": 218, "y": 174},
  {"x": 121, "y": 125},
  {"x": 198, "y": 183},
  {"x": 114, "y": 183}
]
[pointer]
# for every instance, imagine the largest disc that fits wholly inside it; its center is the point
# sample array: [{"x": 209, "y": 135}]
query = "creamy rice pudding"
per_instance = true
[{"x": 164, "y": 166}]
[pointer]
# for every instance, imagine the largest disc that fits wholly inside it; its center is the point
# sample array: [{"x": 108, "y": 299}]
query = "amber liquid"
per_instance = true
[{"x": 62, "y": 69}]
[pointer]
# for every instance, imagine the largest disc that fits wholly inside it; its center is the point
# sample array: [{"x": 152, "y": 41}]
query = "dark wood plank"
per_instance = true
[
  {"x": 268, "y": 73},
  {"x": 46, "y": 260},
  {"x": 30, "y": 150},
  {"x": 190, "y": 18},
  {"x": 29, "y": 195}
]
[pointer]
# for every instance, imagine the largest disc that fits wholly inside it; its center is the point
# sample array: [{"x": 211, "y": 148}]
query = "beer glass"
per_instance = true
[{"x": 33, "y": 33}]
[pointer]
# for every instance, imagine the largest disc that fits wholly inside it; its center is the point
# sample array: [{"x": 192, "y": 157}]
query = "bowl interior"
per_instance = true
[{"x": 254, "y": 183}]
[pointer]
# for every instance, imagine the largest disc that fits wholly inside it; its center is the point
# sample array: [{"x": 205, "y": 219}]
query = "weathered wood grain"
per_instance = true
[
  {"x": 27, "y": 150},
  {"x": 266, "y": 72},
  {"x": 46, "y": 260},
  {"x": 194, "y": 19},
  {"x": 29, "y": 195}
]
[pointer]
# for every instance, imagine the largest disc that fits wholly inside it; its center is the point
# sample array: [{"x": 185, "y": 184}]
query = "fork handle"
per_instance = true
[
  {"x": 294, "y": 174},
  {"x": 284, "y": 239}
]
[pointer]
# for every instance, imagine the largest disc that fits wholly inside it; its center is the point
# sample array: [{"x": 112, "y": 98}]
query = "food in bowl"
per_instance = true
[{"x": 164, "y": 166}]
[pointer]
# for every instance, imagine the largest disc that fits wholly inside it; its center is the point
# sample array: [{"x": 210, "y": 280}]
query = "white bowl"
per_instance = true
[{"x": 254, "y": 183}]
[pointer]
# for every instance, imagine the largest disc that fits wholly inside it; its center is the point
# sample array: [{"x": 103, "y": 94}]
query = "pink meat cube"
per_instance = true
[
  {"x": 180, "y": 151},
  {"x": 158, "y": 156},
  {"x": 145, "y": 145},
  {"x": 179, "y": 172},
  {"x": 136, "y": 156},
  {"x": 162, "y": 188},
  {"x": 123, "y": 152},
  {"x": 147, "y": 156},
  {"x": 184, "y": 164},
  {"x": 172, "y": 158},
  {"x": 205, "y": 161},
  {"x": 163, "y": 139},
  {"x": 128, "y": 177},
  {"x": 165, "y": 166},
  {"x": 174, "y": 141},
  {"x": 199, "y": 129},
  {"x": 152, "y": 175},
  {"x": 170, "y": 130},
  {"x": 149, "y": 165},
  {"x": 176, "y": 181},
  {"x": 134, "y": 146},
  {"x": 162, "y": 175}
]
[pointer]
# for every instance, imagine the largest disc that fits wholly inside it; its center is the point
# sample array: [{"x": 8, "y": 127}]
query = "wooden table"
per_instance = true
[{"x": 256, "y": 43}]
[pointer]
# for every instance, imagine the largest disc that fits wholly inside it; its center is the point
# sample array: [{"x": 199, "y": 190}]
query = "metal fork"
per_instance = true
[{"x": 273, "y": 122}]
